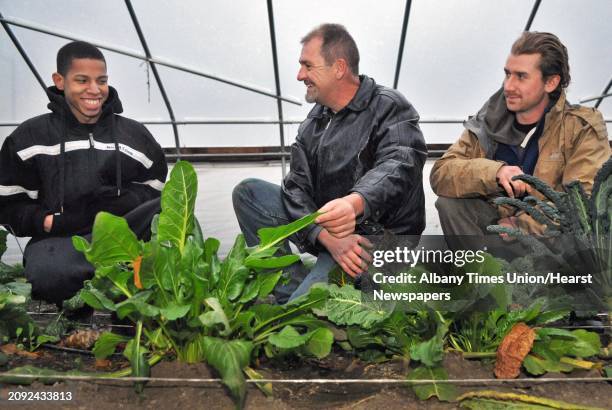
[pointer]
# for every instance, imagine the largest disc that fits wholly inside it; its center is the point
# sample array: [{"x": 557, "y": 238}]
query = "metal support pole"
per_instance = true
[
  {"x": 603, "y": 94},
  {"x": 596, "y": 98},
  {"x": 279, "y": 103},
  {"x": 162, "y": 90},
  {"x": 23, "y": 53},
  {"x": 534, "y": 11},
  {"x": 157, "y": 61},
  {"x": 400, "y": 53}
]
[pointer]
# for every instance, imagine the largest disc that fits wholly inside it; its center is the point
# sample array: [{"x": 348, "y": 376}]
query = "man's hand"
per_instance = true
[
  {"x": 509, "y": 222},
  {"x": 48, "y": 223},
  {"x": 504, "y": 178},
  {"x": 340, "y": 215},
  {"x": 349, "y": 252}
]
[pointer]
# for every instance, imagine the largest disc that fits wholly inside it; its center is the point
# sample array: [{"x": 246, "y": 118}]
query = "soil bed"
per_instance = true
[{"x": 339, "y": 365}]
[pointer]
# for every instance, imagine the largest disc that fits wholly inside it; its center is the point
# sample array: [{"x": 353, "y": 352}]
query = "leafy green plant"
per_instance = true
[
  {"x": 577, "y": 231},
  {"x": 560, "y": 350},
  {"x": 482, "y": 332},
  {"x": 187, "y": 301},
  {"x": 14, "y": 294}
]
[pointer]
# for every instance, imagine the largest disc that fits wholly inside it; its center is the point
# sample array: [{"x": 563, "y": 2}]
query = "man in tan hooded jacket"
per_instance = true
[{"x": 525, "y": 127}]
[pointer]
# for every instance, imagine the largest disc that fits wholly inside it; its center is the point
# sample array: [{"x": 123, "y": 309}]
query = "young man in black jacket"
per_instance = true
[
  {"x": 58, "y": 170},
  {"x": 358, "y": 157}
]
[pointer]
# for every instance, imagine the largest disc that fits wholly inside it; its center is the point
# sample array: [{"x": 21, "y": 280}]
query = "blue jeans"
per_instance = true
[{"x": 258, "y": 204}]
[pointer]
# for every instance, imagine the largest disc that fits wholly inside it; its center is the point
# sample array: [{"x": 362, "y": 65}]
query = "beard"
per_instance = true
[{"x": 311, "y": 95}]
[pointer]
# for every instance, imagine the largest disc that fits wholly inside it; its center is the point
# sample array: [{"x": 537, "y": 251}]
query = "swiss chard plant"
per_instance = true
[{"x": 187, "y": 301}]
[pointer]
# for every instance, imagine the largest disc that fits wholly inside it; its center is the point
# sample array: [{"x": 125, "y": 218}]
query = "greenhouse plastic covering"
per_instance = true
[{"x": 452, "y": 59}]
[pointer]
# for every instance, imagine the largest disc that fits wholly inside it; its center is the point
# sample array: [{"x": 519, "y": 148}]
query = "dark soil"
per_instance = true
[
  {"x": 101, "y": 395},
  {"x": 113, "y": 395}
]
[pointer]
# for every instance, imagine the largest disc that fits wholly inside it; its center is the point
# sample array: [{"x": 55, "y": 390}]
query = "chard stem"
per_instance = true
[
  {"x": 153, "y": 360},
  {"x": 172, "y": 342},
  {"x": 288, "y": 313}
]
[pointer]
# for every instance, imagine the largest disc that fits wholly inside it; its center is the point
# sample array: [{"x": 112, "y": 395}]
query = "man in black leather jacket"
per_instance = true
[{"x": 358, "y": 157}]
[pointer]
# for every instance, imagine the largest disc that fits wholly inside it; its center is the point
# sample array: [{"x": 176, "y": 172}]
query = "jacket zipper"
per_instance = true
[
  {"x": 318, "y": 182},
  {"x": 91, "y": 140}
]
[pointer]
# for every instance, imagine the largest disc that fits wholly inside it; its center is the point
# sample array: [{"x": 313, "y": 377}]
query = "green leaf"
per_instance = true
[
  {"x": 586, "y": 345},
  {"x": 261, "y": 287},
  {"x": 268, "y": 282},
  {"x": 41, "y": 339},
  {"x": 178, "y": 200},
  {"x": 244, "y": 323},
  {"x": 112, "y": 241},
  {"x": 137, "y": 303},
  {"x": 164, "y": 267},
  {"x": 192, "y": 254},
  {"x": 361, "y": 338},
  {"x": 121, "y": 277},
  {"x": 264, "y": 313},
  {"x": 320, "y": 342},
  {"x": 271, "y": 262},
  {"x": 288, "y": 338},
  {"x": 211, "y": 247},
  {"x": 308, "y": 321},
  {"x": 80, "y": 244},
  {"x": 250, "y": 292},
  {"x": 22, "y": 289},
  {"x": 233, "y": 272},
  {"x": 197, "y": 234},
  {"x": 57, "y": 327},
  {"x": 174, "y": 311},
  {"x": 348, "y": 306},
  {"x": 107, "y": 343},
  {"x": 443, "y": 391},
  {"x": 138, "y": 360},
  {"x": 431, "y": 352},
  {"x": 268, "y": 237},
  {"x": 73, "y": 303},
  {"x": 97, "y": 300},
  {"x": 545, "y": 332},
  {"x": 10, "y": 273},
  {"x": 550, "y": 316},
  {"x": 215, "y": 316},
  {"x": 538, "y": 366},
  {"x": 229, "y": 358}
]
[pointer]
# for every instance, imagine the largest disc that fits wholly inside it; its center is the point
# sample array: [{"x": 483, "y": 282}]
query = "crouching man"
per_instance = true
[
  {"x": 58, "y": 170},
  {"x": 358, "y": 157},
  {"x": 526, "y": 127}
]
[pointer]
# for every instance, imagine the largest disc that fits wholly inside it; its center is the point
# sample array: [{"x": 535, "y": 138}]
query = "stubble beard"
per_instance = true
[{"x": 311, "y": 95}]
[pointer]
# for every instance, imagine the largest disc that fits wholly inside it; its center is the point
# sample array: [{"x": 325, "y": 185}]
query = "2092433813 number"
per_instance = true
[{"x": 39, "y": 396}]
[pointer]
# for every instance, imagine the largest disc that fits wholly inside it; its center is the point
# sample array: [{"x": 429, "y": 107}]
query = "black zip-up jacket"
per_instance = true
[
  {"x": 52, "y": 164},
  {"x": 373, "y": 147}
]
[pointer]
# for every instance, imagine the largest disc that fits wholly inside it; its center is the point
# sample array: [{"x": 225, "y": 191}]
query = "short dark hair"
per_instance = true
[
  {"x": 337, "y": 43},
  {"x": 553, "y": 60},
  {"x": 76, "y": 49}
]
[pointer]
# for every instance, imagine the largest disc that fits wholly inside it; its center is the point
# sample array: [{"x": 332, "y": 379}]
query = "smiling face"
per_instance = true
[
  {"x": 525, "y": 90},
  {"x": 85, "y": 87},
  {"x": 318, "y": 77}
]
